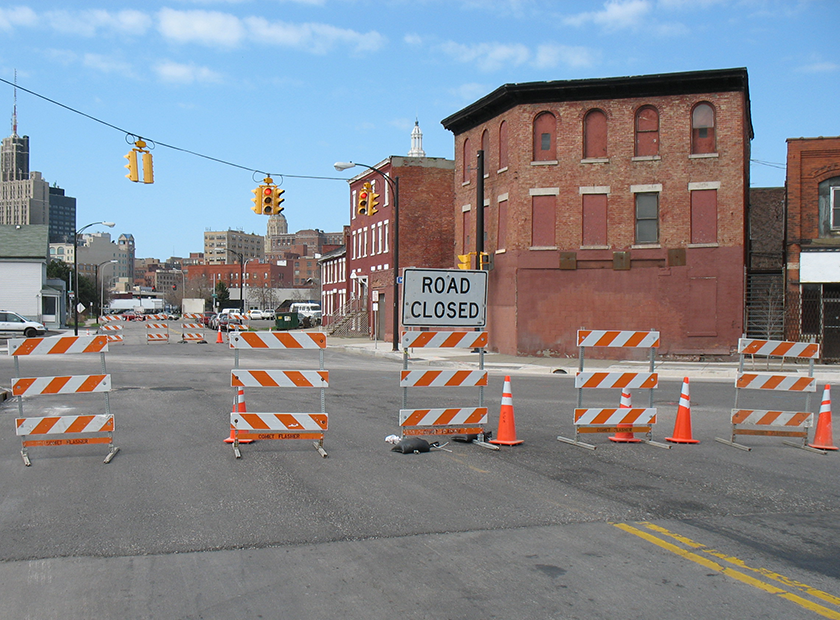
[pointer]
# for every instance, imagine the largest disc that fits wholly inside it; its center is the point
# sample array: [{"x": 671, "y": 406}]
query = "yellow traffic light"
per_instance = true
[
  {"x": 465, "y": 260},
  {"x": 372, "y": 202},
  {"x": 277, "y": 200},
  {"x": 133, "y": 174},
  {"x": 148, "y": 171},
  {"x": 364, "y": 194},
  {"x": 267, "y": 199},
  {"x": 257, "y": 200}
]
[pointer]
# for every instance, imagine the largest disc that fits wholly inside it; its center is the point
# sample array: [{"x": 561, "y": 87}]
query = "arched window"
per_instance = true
[
  {"x": 595, "y": 135},
  {"x": 465, "y": 168},
  {"x": 647, "y": 131},
  {"x": 545, "y": 130},
  {"x": 503, "y": 145},
  {"x": 703, "y": 129}
]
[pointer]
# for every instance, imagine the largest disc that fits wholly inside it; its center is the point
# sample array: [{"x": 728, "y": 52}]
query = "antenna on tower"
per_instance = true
[{"x": 14, "y": 109}]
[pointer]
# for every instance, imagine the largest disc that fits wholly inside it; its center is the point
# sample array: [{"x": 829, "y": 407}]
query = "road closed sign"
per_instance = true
[{"x": 444, "y": 298}]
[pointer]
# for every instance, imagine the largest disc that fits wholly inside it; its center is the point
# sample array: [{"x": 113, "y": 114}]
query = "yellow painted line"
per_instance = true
[
  {"x": 825, "y": 596},
  {"x": 730, "y": 572}
]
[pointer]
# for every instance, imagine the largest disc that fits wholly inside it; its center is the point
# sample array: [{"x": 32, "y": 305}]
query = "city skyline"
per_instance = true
[{"x": 288, "y": 88}]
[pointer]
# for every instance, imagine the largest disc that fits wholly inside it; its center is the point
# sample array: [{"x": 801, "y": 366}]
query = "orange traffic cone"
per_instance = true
[
  {"x": 238, "y": 407},
  {"x": 219, "y": 337},
  {"x": 506, "y": 436},
  {"x": 682, "y": 427},
  {"x": 823, "y": 439},
  {"x": 625, "y": 437}
]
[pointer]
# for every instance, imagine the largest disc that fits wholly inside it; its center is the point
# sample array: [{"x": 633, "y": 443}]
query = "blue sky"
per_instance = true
[{"x": 289, "y": 87}]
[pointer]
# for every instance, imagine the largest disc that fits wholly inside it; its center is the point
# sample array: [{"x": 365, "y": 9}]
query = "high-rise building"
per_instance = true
[
  {"x": 226, "y": 246},
  {"x": 62, "y": 216},
  {"x": 24, "y": 196}
]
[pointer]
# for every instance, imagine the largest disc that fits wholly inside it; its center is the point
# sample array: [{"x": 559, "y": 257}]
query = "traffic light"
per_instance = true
[
  {"x": 372, "y": 202},
  {"x": 364, "y": 195},
  {"x": 486, "y": 261},
  {"x": 267, "y": 199},
  {"x": 465, "y": 260},
  {"x": 132, "y": 175},
  {"x": 257, "y": 200},
  {"x": 133, "y": 169},
  {"x": 276, "y": 200}
]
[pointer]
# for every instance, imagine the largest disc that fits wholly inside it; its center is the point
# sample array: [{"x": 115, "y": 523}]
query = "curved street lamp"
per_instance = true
[
  {"x": 96, "y": 279},
  {"x": 395, "y": 186},
  {"x": 76, "y": 271}
]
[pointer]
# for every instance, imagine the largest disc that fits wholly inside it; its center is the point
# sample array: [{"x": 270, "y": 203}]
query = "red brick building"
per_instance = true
[
  {"x": 366, "y": 269},
  {"x": 615, "y": 203},
  {"x": 813, "y": 242}
]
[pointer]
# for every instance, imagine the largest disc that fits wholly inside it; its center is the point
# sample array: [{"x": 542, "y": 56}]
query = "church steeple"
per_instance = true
[{"x": 416, "y": 141}]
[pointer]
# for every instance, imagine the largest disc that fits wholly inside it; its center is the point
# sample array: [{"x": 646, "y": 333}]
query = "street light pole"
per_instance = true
[
  {"x": 76, "y": 271},
  {"x": 241, "y": 279},
  {"x": 395, "y": 186},
  {"x": 96, "y": 281}
]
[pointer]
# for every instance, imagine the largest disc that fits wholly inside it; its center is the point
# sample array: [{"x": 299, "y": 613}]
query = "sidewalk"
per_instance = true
[{"x": 667, "y": 369}]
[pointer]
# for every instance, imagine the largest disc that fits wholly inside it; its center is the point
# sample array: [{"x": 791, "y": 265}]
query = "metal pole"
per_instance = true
[
  {"x": 479, "y": 210},
  {"x": 76, "y": 283},
  {"x": 396, "y": 300}
]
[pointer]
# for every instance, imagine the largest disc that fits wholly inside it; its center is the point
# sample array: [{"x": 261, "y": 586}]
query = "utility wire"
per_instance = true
[
  {"x": 769, "y": 164},
  {"x": 163, "y": 144}
]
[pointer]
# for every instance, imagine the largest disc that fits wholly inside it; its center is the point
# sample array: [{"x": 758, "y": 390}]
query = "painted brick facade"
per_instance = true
[{"x": 541, "y": 293}]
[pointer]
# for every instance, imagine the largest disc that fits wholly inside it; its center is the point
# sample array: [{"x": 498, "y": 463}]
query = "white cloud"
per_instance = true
[
  {"x": 88, "y": 23},
  {"x": 413, "y": 39},
  {"x": 616, "y": 14},
  {"x": 186, "y": 74},
  {"x": 820, "y": 67},
  {"x": 469, "y": 91},
  {"x": 550, "y": 55},
  {"x": 205, "y": 27},
  {"x": 314, "y": 38},
  {"x": 488, "y": 56},
  {"x": 106, "y": 64},
  {"x": 17, "y": 16}
]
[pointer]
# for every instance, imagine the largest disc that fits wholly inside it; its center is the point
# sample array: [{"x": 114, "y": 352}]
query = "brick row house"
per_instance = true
[
  {"x": 813, "y": 243},
  {"x": 616, "y": 203}
]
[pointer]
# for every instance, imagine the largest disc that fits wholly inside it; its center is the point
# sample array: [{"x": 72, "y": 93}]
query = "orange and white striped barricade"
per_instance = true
[
  {"x": 615, "y": 419},
  {"x": 156, "y": 317},
  {"x": 157, "y": 332},
  {"x": 112, "y": 331},
  {"x": 774, "y": 423},
  {"x": 279, "y": 425},
  {"x": 193, "y": 332},
  {"x": 109, "y": 318},
  {"x": 68, "y": 429},
  {"x": 446, "y": 420}
]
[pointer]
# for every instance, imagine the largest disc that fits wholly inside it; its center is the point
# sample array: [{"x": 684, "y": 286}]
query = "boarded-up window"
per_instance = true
[
  {"x": 647, "y": 217},
  {"x": 543, "y": 209},
  {"x": 465, "y": 163},
  {"x": 595, "y": 135},
  {"x": 466, "y": 238},
  {"x": 704, "y": 216},
  {"x": 702, "y": 305},
  {"x": 485, "y": 146},
  {"x": 594, "y": 219},
  {"x": 503, "y": 145},
  {"x": 703, "y": 129},
  {"x": 503, "y": 225},
  {"x": 647, "y": 131},
  {"x": 545, "y": 129}
]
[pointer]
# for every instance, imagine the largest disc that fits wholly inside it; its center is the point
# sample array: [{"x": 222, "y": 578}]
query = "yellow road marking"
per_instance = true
[
  {"x": 729, "y": 572},
  {"x": 825, "y": 596}
]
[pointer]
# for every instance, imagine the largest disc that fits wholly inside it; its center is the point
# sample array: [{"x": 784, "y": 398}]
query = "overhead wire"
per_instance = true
[{"x": 164, "y": 144}]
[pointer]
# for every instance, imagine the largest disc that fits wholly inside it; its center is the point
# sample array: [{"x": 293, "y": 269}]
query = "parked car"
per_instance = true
[
  {"x": 206, "y": 317},
  {"x": 13, "y": 323},
  {"x": 224, "y": 321},
  {"x": 255, "y": 314}
]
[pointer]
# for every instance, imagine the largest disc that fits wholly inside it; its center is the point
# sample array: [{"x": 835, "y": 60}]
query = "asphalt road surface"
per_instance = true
[{"x": 176, "y": 527}]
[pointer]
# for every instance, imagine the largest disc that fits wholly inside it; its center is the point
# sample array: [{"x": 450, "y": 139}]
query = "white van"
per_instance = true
[{"x": 307, "y": 309}]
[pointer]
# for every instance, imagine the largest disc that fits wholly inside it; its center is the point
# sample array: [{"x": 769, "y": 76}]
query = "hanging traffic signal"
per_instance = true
[
  {"x": 267, "y": 199},
  {"x": 277, "y": 200},
  {"x": 364, "y": 195},
  {"x": 465, "y": 260},
  {"x": 133, "y": 170},
  {"x": 257, "y": 200},
  {"x": 132, "y": 175},
  {"x": 372, "y": 202}
]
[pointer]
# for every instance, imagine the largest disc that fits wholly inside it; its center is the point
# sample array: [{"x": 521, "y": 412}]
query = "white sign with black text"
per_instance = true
[{"x": 444, "y": 298}]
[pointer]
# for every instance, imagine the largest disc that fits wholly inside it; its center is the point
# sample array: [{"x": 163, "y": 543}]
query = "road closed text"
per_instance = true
[{"x": 444, "y": 298}]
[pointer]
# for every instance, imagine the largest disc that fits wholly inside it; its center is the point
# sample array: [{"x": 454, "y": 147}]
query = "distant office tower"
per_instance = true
[{"x": 62, "y": 216}]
